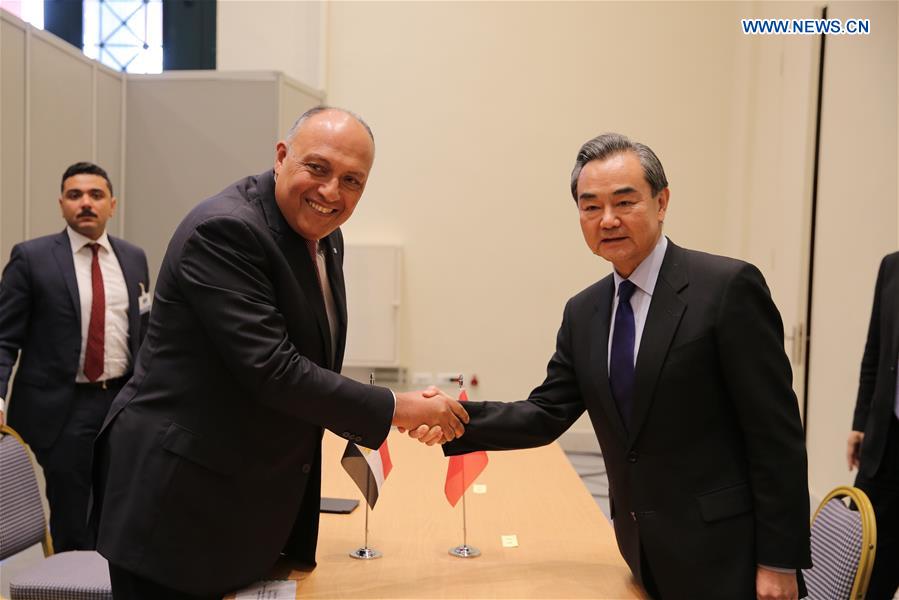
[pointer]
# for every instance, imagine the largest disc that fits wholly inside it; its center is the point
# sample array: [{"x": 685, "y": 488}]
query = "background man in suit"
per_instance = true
[
  {"x": 208, "y": 466},
  {"x": 678, "y": 358},
  {"x": 72, "y": 304},
  {"x": 874, "y": 440}
]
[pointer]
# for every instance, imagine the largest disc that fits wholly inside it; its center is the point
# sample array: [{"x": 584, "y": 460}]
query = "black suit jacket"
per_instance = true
[
  {"x": 208, "y": 465},
  {"x": 711, "y": 478},
  {"x": 40, "y": 314},
  {"x": 877, "y": 383}
]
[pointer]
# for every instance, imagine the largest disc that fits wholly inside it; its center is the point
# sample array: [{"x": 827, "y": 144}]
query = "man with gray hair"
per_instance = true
[
  {"x": 208, "y": 466},
  {"x": 678, "y": 358}
]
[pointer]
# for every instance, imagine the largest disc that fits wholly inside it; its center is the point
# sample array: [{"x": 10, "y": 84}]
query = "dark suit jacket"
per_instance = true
[
  {"x": 877, "y": 383},
  {"x": 711, "y": 478},
  {"x": 208, "y": 465},
  {"x": 40, "y": 314}
]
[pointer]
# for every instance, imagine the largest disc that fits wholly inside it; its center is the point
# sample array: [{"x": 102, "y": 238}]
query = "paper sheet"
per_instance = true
[{"x": 269, "y": 590}]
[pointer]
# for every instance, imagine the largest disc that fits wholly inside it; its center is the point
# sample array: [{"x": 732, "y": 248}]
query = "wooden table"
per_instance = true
[{"x": 566, "y": 546}]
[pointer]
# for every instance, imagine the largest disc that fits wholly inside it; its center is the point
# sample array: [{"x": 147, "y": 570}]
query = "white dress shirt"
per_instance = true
[{"x": 116, "y": 354}]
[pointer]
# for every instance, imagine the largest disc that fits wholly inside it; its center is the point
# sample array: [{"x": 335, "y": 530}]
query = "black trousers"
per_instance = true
[
  {"x": 883, "y": 491},
  {"x": 128, "y": 586},
  {"x": 67, "y": 466}
]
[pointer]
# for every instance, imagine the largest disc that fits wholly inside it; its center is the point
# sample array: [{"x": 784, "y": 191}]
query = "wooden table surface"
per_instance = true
[{"x": 566, "y": 545}]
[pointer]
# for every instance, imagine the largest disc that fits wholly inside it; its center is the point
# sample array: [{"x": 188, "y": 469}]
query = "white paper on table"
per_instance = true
[{"x": 269, "y": 590}]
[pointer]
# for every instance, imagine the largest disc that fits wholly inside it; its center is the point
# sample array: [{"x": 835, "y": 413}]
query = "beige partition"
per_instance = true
[
  {"x": 772, "y": 165},
  {"x": 12, "y": 132},
  {"x": 192, "y": 133},
  {"x": 57, "y": 107}
]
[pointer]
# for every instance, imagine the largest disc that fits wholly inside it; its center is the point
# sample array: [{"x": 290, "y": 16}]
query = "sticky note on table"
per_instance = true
[
  {"x": 269, "y": 590},
  {"x": 510, "y": 541},
  {"x": 479, "y": 488}
]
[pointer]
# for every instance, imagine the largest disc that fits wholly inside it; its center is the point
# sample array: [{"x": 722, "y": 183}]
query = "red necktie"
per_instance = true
[{"x": 96, "y": 330}]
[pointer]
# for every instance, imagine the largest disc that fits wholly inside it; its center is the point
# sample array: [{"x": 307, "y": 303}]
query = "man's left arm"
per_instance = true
[
  {"x": 758, "y": 377},
  {"x": 15, "y": 313}
]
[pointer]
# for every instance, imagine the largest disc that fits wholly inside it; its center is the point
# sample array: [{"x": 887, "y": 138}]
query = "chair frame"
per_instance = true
[
  {"x": 869, "y": 535},
  {"x": 47, "y": 542}
]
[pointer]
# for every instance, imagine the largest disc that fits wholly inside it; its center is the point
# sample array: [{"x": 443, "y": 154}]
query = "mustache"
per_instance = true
[{"x": 86, "y": 213}]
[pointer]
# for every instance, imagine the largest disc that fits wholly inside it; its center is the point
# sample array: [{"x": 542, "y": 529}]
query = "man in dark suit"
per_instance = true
[
  {"x": 874, "y": 440},
  {"x": 678, "y": 359},
  {"x": 208, "y": 465},
  {"x": 72, "y": 304}
]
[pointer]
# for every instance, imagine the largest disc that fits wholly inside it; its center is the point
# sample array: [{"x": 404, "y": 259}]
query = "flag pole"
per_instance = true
[
  {"x": 464, "y": 551},
  {"x": 367, "y": 483},
  {"x": 366, "y": 553}
]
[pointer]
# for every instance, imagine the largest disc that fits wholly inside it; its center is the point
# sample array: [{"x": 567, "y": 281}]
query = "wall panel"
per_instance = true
[
  {"x": 190, "y": 135},
  {"x": 109, "y": 150},
  {"x": 12, "y": 135},
  {"x": 61, "y": 126}
]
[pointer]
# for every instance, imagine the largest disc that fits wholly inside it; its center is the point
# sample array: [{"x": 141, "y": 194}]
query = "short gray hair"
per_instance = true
[
  {"x": 320, "y": 109},
  {"x": 609, "y": 144}
]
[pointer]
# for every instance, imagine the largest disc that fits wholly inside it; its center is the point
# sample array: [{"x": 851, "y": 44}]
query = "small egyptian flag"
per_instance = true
[
  {"x": 368, "y": 468},
  {"x": 463, "y": 469}
]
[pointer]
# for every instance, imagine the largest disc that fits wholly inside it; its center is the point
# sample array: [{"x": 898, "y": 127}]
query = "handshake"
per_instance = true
[{"x": 430, "y": 416}]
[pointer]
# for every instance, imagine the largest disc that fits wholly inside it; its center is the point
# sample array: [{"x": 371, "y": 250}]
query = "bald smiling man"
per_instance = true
[{"x": 208, "y": 466}]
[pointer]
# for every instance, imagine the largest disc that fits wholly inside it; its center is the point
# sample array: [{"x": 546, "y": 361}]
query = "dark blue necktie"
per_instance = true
[{"x": 621, "y": 362}]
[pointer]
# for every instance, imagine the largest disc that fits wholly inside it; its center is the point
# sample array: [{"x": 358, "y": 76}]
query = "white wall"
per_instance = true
[
  {"x": 479, "y": 110},
  {"x": 273, "y": 35}
]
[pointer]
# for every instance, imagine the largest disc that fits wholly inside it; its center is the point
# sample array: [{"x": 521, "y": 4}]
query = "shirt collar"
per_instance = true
[
  {"x": 647, "y": 272},
  {"x": 79, "y": 241}
]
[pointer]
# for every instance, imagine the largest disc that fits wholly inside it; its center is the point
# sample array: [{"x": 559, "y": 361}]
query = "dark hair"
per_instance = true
[
  {"x": 85, "y": 168},
  {"x": 609, "y": 144},
  {"x": 320, "y": 109}
]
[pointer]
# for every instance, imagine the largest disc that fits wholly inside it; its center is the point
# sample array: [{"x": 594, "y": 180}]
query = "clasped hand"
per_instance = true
[{"x": 430, "y": 416}]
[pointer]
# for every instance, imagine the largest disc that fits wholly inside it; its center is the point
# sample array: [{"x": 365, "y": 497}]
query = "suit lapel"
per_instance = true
[
  {"x": 297, "y": 255},
  {"x": 62, "y": 252},
  {"x": 599, "y": 352},
  {"x": 665, "y": 312}
]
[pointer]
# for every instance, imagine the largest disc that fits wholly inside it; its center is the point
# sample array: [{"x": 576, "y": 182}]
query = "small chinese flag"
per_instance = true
[{"x": 463, "y": 470}]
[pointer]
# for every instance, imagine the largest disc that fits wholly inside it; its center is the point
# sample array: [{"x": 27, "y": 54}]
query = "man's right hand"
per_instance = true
[
  {"x": 433, "y": 408},
  {"x": 854, "y": 448}
]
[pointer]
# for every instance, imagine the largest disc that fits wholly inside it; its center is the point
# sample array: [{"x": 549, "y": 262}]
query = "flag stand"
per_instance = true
[
  {"x": 366, "y": 553},
  {"x": 464, "y": 551}
]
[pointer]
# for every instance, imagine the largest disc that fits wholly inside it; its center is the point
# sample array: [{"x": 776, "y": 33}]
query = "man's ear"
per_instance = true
[
  {"x": 280, "y": 154},
  {"x": 663, "y": 203}
]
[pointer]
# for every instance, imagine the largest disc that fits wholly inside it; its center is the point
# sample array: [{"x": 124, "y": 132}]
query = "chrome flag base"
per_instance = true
[
  {"x": 365, "y": 553},
  {"x": 465, "y": 551}
]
